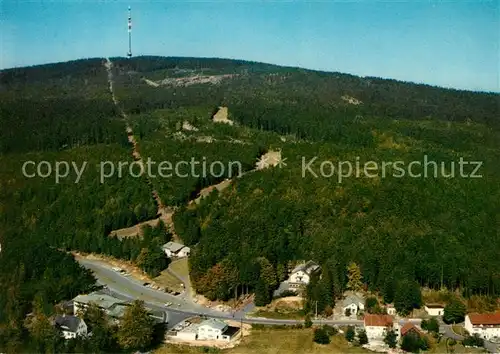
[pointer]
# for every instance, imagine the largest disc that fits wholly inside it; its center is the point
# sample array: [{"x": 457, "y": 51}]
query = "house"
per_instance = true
[
  {"x": 409, "y": 327},
  {"x": 354, "y": 303},
  {"x": 376, "y": 326},
  {"x": 486, "y": 325},
  {"x": 391, "y": 310},
  {"x": 434, "y": 309},
  {"x": 213, "y": 329},
  {"x": 112, "y": 306},
  {"x": 301, "y": 274},
  {"x": 71, "y": 326},
  {"x": 174, "y": 249}
]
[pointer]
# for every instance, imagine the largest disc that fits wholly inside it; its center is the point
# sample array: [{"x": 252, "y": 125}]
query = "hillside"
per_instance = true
[{"x": 428, "y": 231}]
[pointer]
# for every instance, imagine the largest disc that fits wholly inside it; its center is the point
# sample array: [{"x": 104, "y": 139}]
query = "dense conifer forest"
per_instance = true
[{"x": 402, "y": 232}]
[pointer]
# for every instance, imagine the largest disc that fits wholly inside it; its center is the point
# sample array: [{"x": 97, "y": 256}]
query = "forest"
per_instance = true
[{"x": 403, "y": 233}]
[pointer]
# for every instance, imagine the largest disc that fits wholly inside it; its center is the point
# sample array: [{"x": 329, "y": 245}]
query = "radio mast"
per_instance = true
[{"x": 129, "y": 54}]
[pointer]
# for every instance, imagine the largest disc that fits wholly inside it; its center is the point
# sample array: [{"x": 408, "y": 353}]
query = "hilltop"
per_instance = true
[{"x": 418, "y": 232}]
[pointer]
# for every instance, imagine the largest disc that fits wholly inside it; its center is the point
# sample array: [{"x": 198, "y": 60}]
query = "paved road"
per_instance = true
[{"x": 129, "y": 288}]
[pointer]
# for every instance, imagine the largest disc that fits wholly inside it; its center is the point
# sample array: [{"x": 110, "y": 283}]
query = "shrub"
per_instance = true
[
  {"x": 350, "y": 334},
  {"x": 321, "y": 336}
]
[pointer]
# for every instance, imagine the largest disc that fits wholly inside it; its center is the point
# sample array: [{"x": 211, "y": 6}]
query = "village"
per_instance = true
[{"x": 361, "y": 317}]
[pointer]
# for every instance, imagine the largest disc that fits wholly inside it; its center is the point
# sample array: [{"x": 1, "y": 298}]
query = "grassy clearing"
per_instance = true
[
  {"x": 459, "y": 330},
  {"x": 458, "y": 348},
  {"x": 275, "y": 341},
  {"x": 169, "y": 281},
  {"x": 180, "y": 267},
  {"x": 292, "y": 315}
]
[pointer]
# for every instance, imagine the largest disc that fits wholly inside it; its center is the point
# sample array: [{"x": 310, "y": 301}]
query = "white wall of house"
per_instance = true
[
  {"x": 208, "y": 332},
  {"x": 485, "y": 332},
  {"x": 184, "y": 252},
  {"x": 168, "y": 253},
  {"x": 299, "y": 277},
  {"x": 81, "y": 331},
  {"x": 352, "y": 307},
  {"x": 185, "y": 335},
  {"x": 434, "y": 311},
  {"x": 375, "y": 332}
]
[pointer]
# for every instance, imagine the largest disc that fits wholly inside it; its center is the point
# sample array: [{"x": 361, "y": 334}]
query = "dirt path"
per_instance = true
[{"x": 164, "y": 213}]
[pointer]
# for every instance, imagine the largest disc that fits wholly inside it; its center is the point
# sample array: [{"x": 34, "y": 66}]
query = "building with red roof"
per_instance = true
[{"x": 486, "y": 325}]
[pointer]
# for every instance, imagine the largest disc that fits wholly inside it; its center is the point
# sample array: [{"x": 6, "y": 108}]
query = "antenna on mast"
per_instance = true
[{"x": 129, "y": 54}]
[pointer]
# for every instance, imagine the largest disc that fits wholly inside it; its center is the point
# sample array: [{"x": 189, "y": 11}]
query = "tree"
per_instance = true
[
  {"x": 103, "y": 334},
  {"x": 307, "y": 321},
  {"x": 473, "y": 341},
  {"x": 321, "y": 336},
  {"x": 391, "y": 338},
  {"x": 348, "y": 312},
  {"x": 350, "y": 334},
  {"x": 362, "y": 337},
  {"x": 262, "y": 293},
  {"x": 354, "y": 277},
  {"x": 371, "y": 303},
  {"x": 267, "y": 272},
  {"x": 42, "y": 332},
  {"x": 454, "y": 312},
  {"x": 412, "y": 342},
  {"x": 431, "y": 325},
  {"x": 389, "y": 290},
  {"x": 136, "y": 328},
  {"x": 407, "y": 297}
]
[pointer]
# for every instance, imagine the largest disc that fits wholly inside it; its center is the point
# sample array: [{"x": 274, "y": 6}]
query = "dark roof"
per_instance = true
[
  {"x": 434, "y": 306},
  {"x": 68, "y": 323}
]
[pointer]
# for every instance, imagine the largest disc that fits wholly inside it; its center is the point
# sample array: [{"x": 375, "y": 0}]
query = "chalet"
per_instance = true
[
  {"x": 301, "y": 274},
  {"x": 486, "y": 325},
  {"x": 71, "y": 326},
  {"x": 354, "y": 303},
  {"x": 434, "y": 309},
  {"x": 376, "y": 326},
  {"x": 174, "y": 249},
  {"x": 409, "y": 327}
]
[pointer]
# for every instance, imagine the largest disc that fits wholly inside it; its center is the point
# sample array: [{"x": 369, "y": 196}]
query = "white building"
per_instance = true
[
  {"x": 213, "y": 329},
  {"x": 391, "y": 310},
  {"x": 174, "y": 249},
  {"x": 434, "y": 309},
  {"x": 71, "y": 326},
  {"x": 486, "y": 325},
  {"x": 354, "y": 303},
  {"x": 376, "y": 326},
  {"x": 301, "y": 274}
]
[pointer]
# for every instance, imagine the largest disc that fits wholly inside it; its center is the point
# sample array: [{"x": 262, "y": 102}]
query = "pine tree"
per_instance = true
[
  {"x": 391, "y": 338},
  {"x": 362, "y": 337},
  {"x": 262, "y": 296},
  {"x": 136, "y": 328},
  {"x": 354, "y": 277},
  {"x": 350, "y": 334}
]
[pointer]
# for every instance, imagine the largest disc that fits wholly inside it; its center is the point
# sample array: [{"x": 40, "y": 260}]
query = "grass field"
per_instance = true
[
  {"x": 274, "y": 341},
  {"x": 459, "y": 330},
  {"x": 180, "y": 267},
  {"x": 458, "y": 348},
  {"x": 294, "y": 315},
  {"x": 169, "y": 281}
]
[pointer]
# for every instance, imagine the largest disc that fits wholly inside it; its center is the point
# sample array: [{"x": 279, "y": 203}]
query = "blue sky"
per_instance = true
[{"x": 450, "y": 44}]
